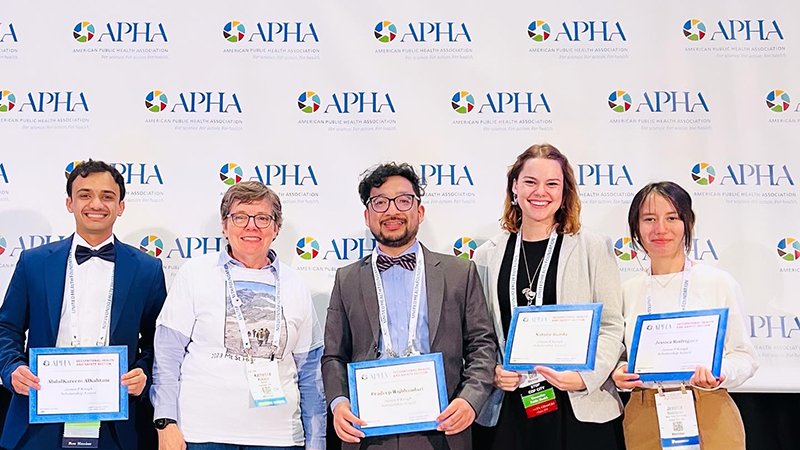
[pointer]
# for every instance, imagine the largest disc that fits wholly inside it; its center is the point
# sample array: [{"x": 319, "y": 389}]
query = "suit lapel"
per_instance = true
[
  {"x": 124, "y": 270},
  {"x": 55, "y": 274},
  {"x": 568, "y": 245},
  {"x": 369, "y": 294},
  {"x": 434, "y": 283}
]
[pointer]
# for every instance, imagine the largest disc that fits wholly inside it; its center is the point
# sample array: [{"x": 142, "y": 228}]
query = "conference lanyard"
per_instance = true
[
  {"x": 73, "y": 307},
  {"x": 236, "y": 302},
  {"x": 687, "y": 271},
  {"x": 413, "y": 319},
  {"x": 548, "y": 256}
]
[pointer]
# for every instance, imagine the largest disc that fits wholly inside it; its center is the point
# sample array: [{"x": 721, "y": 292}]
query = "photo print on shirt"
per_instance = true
[{"x": 258, "y": 308}]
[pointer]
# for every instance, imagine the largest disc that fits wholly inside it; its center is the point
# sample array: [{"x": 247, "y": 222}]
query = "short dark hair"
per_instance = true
[
  {"x": 376, "y": 176},
  {"x": 84, "y": 168},
  {"x": 673, "y": 193}
]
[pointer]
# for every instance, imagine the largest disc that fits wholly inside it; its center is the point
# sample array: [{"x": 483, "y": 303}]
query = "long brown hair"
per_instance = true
[{"x": 568, "y": 216}]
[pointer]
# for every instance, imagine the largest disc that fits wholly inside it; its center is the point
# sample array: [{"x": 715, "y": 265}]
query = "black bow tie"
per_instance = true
[
  {"x": 106, "y": 252},
  {"x": 407, "y": 261}
]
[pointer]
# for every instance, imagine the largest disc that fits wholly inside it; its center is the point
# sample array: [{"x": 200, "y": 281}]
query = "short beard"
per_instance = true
[{"x": 404, "y": 239}]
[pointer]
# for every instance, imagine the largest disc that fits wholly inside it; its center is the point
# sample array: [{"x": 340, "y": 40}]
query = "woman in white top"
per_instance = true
[{"x": 661, "y": 222}]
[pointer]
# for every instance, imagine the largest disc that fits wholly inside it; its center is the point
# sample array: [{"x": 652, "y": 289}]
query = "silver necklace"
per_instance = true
[
  {"x": 528, "y": 292},
  {"x": 663, "y": 285}
]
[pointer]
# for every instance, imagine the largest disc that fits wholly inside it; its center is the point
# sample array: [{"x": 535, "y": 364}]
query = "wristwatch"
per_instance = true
[{"x": 162, "y": 423}]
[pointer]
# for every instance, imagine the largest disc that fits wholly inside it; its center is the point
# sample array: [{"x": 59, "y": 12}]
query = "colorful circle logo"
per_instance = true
[
  {"x": 777, "y": 101},
  {"x": 307, "y": 248},
  {"x": 308, "y": 102},
  {"x": 233, "y": 31},
  {"x": 624, "y": 250},
  {"x": 789, "y": 249},
  {"x": 83, "y": 32},
  {"x": 619, "y": 101},
  {"x": 703, "y": 173},
  {"x": 7, "y": 101},
  {"x": 70, "y": 167},
  {"x": 462, "y": 102},
  {"x": 3, "y": 245},
  {"x": 230, "y": 174},
  {"x": 464, "y": 247},
  {"x": 694, "y": 30},
  {"x": 385, "y": 31},
  {"x": 155, "y": 101},
  {"x": 539, "y": 31},
  {"x": 152, "y": 245}
]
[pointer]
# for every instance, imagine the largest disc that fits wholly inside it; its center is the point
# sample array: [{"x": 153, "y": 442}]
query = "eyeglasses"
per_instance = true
[
  {"x": 403, "y": 202},
  {"x": 241, "y": 220}
]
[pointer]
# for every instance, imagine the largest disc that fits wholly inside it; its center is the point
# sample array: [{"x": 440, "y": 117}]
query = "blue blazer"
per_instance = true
[{"x": 33, "y": 303}]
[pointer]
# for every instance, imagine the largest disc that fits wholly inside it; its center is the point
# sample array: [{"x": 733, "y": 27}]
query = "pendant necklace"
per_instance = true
[{"x": 528, "y": 292}]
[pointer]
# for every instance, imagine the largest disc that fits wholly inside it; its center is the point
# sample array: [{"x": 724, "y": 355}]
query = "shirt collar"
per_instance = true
[
  {"x": 77, "y": 240},
  {"x": 225, "y": 258},
  {"x": 413, "y": 249}
]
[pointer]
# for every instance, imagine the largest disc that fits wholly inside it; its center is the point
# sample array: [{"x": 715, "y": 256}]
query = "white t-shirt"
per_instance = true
[
  {"x": 709, "y": 288},
  {"x": 214, "y": 404}
]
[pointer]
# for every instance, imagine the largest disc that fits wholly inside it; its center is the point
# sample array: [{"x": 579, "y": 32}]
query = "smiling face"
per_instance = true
[
  {"x": 250, "y": 244},
  {"x": 661, "y": 228},
  {"x": 96, "y": 205},
  {"x": 540, "y": 190},
  {"x": 394, "y": 228}
]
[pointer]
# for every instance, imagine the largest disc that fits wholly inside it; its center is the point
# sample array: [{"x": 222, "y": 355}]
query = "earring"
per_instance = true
[{"x": 514, "y": 200}]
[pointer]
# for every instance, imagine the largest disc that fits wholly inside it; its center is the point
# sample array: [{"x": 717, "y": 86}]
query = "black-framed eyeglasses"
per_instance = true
[
  {"x": 403, "y": 202},
  {"x": 241, "y": 220}
]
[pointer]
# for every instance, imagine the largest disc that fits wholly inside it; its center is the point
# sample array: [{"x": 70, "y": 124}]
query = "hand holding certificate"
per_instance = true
[
  {"x": 561, "y": 337},
  {"x": 79, "y": 384},
  {"x": 398, "y": 395},
  {"x": 669, "y": 347}
]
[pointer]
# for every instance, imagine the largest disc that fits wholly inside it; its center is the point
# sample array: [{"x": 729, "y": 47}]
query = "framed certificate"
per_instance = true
[
  {"x": 561, "y": 337},
  {"x": 78, "y": 384},
  {"x": 670, "y": 346},
  {"x": 398, "y": 395}
]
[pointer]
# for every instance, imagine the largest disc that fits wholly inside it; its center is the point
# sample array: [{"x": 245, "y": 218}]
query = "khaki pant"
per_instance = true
[{"x": 718, "y": 421}]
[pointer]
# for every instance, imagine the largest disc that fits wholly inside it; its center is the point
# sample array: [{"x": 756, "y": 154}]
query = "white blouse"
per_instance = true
[{"x": 709, "y": 288}]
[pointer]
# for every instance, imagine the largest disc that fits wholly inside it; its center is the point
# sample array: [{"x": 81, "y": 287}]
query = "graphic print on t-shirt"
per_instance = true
[{"x": 258, "y": 308}]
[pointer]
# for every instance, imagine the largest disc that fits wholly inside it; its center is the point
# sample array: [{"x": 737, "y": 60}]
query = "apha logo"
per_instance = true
[
  {"x": 44, "y": 101},
  {"x": 294, "y": 32},
  {"x": 118, "y": 32},
  {"x": 356, "y": 102},
  {"x": 422, "y": 32},
  {"x": 705, "y": 174},
  {"x": 157, "y": 101},
  {"x": 663, "y": 101},
  {"x": 270, "y": 174},
  {"x": 576, "y": 31},
  {"x": 696, "y": 30},
  {"x": 500, "y": 102}
]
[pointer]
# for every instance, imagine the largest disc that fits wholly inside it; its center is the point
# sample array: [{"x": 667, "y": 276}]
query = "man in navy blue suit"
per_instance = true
[{"x": 58, "y": 294}]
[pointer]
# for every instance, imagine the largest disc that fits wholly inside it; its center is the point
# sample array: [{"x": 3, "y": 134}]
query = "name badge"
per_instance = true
[
  {"x": 81, "y": 435},
  {"x": 677, "y": 420},
  {"x": 538, "y": 396},
  {"x": 265, "y": 383}
]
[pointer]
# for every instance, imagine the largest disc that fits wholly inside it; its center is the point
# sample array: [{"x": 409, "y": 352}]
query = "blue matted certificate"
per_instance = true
[
  {"x": 78, "y": 384},
  {"x": 561, "y": 337},
  {"x": 398, "y": 395},
  {"x": 670, "y": 346}
]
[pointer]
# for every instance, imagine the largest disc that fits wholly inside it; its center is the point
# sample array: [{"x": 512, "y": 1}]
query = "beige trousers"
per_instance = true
[{"x": 718, "y": 421}]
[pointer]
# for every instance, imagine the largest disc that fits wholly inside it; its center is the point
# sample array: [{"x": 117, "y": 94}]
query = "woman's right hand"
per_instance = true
[
  {"x": 625, "y": 380},
  {"x": 505, "y": 379},
  {"x": 171, "y": 438}
]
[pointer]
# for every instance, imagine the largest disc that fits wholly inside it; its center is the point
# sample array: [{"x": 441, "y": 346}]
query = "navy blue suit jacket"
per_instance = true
[{"x": 33, "y": 303}]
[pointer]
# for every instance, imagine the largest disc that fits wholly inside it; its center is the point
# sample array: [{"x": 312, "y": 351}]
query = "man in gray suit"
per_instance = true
[{"x": 452, "y": 318}]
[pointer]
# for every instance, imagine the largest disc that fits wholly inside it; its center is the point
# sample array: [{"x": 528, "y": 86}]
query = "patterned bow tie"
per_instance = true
[
  {"x": 407, "y": 261},
  {"x": 106, "y": 252}
]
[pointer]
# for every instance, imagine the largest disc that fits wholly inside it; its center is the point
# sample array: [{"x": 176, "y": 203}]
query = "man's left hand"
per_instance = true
[
  {"x": 456, "y": 417},
  {"x": 135, "y": 380},
  {"x": 567, "y": 380}
]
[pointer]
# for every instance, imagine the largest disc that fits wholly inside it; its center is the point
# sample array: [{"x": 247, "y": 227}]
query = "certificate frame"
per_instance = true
[
  {"x": 122, "y": 414},
  {"x": 441, "y": 384},
  {"x": 591, "y": 351},
  {"x": 719, "y": 344}
]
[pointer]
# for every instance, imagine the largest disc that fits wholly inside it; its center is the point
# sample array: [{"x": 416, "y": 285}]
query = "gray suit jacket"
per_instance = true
[
  {"x": 587, "y": 273},
  {"x": 458, "y": 325}
]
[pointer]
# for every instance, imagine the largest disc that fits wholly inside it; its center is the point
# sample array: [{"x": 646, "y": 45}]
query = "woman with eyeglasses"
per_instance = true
[
  {"x": 661, "y": 221},
  {"x": 238, "y": 344},
  {"x": 542, "y": 237}
]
